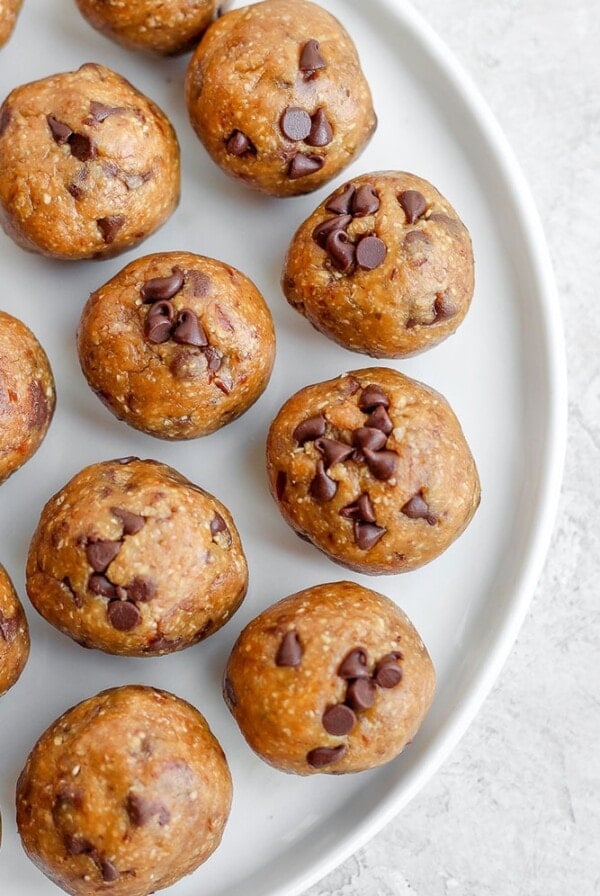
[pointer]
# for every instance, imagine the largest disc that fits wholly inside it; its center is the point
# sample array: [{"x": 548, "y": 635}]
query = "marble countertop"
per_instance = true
[{"x": 516, "y": 809}]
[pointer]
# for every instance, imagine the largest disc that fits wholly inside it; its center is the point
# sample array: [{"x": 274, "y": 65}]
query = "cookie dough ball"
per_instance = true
[
  {"x": 332, "y": 679},
  {"x": 161, "y": 26},
  {"x": 276, "y": 94},
  {"x": 125, "y": 793},
  {"x": 373, "y": 469},
  {"x": 9, "y": 10},
  {"x": 14, "y": 635},
  {"x": 133, "y": 559},
  {"x": 89, "y": 166},
  {"x": 177, "y": 345},
  {"x": 384, "y": 266},
  {"x": 27, "y": 396}
]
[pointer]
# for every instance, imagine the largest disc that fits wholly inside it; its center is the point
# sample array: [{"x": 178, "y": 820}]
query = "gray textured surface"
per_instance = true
[{"x": 516, "y": 810}]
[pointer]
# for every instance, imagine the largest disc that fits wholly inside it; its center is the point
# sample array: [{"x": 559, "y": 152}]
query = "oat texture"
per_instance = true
[
  {"x": 9, "y": 10},
  {"x": 14, "y": 634}
]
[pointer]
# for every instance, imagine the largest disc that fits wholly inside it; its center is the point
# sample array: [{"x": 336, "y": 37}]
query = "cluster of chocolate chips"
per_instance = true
[
  {"x": 9, "y": 626},
  {"x": 369, "y": 251}
]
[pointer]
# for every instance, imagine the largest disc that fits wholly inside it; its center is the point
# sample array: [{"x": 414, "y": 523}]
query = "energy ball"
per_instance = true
[
  {"x": 14, "y": 634},
  {"x": 167, "y": 27},
  {"x": 125, "y": 793},
  {"x": 277, "y": 96},
  {"x": 333, "y": 679},
  {"x": 27, "y": 394},
  {"x": 9, "y": 10},
  {"x": 177, "y": 345},
  {"x": 133, "y": 559},
  {"x": 384, "y": 266},
  {"x": 89, "y": 166},
  {"x": 372, "y": 468}
]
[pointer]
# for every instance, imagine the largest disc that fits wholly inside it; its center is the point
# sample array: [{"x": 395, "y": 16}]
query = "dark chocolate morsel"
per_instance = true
[
  {"x": 199, "y": 282},
  {"x": 354, "y": 664},
  {"x": 417, "y": 508},
  {"x": 382, "y": 464},
  {"x": 322, "y": 230},
  {"x": 238, "y": 144},
  {"x": 414, "y": 205},
  {"x": 8, "y": 627},
  {"x": 159, "y": 322},
  {"x": 217, "y": 524},
  {"x": 387, "y": 672},
  {"x": 322, "y": 756},
  {"x": 123, "y": 615},
  {"x": 366, "y": 535},
  {"x": 280, "y": 484},
  {"x": 302, "y": 165},
  {"x": 228, "y": 692},
  {"x": 360, "y": 694},
  {"x": 333, "y": 451},
  {"x": 380, "y": 419},
  {"x": 107, "y": 870},
  {"x": 369, "y": 437},
  {"x": 321, "y": 132},
  {"x": 361, "y": 509},
  {"x": 370, "y": 252},
  {"x": 100, "y": 585},
  {"x": 100, "y": 554},
  {"x": 341, "y": 251},
  {"x": 290, "y": 650},
  {"x": 141, "y": 590},
  {"x": 132, "y": 522},
  {"x": 110, "y": 226},
  {"x": 310, "y": 429},
  {"x": 373, "y": 396},
  {"x": 77, "y": 846},
  {"x": 322, "y": 487},
  {"x": 338, "y": 720},
  {"x": 160, "y": 288},
  {"x": 311, "y": 59},
  {"x": 444, "y": 307},
  {"x": 365, "y": 201},
  {"x": 342, "y": 203},
  {"x": 82, "y": 147},
  {"x": 59, "y": 130},
  {"x": 100, "y": 111},
  {"x": 295, "y": 123},
  {"x": 187, "y": 329}
]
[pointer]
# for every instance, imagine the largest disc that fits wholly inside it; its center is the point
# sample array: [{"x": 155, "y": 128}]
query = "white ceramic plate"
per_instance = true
[{"x": 503, "y": 373}]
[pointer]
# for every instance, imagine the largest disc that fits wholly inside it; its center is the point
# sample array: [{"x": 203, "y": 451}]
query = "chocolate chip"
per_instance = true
[
  {"x": 82, "y": 147},
  {"x": 188, "y": 330},
  {"x": 365, "y": 201},
  {"x": 370, "y": 252},
  {"x": 387, "y": 672},
  {"x": 214, "y": 358},
  {"x": 75, "y": 190},
  {"x": 382, "y": 464},
  {"x": 444, "y": 306},
  {"x": 342, "y": 203},
  {"x": 59, "y": 130},
  {"x": 100, "y": 585},
  {"x": 333, "y": 451},
  {"x": 295, "y": 123},
  {"x": 39, "y": 404},
  {"x": 322, "y": 756},
  {"x": 132, "y": 522},
  {"x": 321, "y": 132},
  {"x": 290, "y": 651},
  {"x": 372, "y": 397},
  {"x": 361, "y": 509},
  {"x": 322, "y": 230},
  {"x": 238, "y": 144},
  {"x": 141, "y": 590},
  {"x": 68, "y": 795},
  {"x": 417, "y": 508},
  {"x": 77, "y": 846},
  {"x": 354, "y": 664},
  {"x": 311, "y": 59},
  {"x": 141, "y": 811},
  {"x": 228, "y": 692},
  {"x": 302, "y": 165},
  {"x": 110, "y": 226},
  {"x": 8, "y": 627},
  {"x": 280, "y": 484},
  {"x": 66, "y": 583},
  {"x": 5, "y": 118},
  {"x": 160, "y": 288},
  {"x": 199, "y": 282},
  {"x": 360, "y": 694},
  {"x": 107, "y": 870},
  {"x": 414, "y": 205},
  {"x": 369, "y": 437},
  {"x": 322, "y": 487},
  {"x": 123, "y": 615},
  {"x": 224, "y": 382},
  {"x": 310, "y": 429},
  {"x": 217, "y": 524},
  {"x": 100, "y": 554},
  {"x": 380, "y": 419},
  {"x": 341, "y": 251},
  {"x": 366, "y": 535},
  {"x": 338, "y": 720},
  {"x": 100, "y": 111},
  {"x": 159, "y": 322}
]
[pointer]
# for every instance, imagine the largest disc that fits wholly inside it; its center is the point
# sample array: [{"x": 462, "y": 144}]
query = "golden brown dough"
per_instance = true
[
  {"x": 14, "y": 635},
  {"x": 89, "y": 166},
  {"x": 9, "y": 10},
  {"x": 125, "y": 793},
  {"x": 132, "y": 558},
  {"x": 373, "y": 469}
]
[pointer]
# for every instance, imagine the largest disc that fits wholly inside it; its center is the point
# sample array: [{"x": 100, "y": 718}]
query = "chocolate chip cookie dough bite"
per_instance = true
[
  {"x": 9, "y": 10},
  {"x": 177, "y": 345},
  {"x": 166, "y": 27},
  {"x": 276, "y": 94},
  {"x": 14, "y": 635},
  {"x": 27, "y": 394},
  {"x": 384, "y": 266},
  {"x": 125, "y": 793},
  {"x": 133, "y": 559},
  {"x": 332, "y": 679},
  {"x": 372, "y": 468},
  {"x": 89, "y": 166}
]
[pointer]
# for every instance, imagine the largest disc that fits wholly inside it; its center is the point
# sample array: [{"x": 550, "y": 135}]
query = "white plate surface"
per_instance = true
[{"x": 503, "y": 373}]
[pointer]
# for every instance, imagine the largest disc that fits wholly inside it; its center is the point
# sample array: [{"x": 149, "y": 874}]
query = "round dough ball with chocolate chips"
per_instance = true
[
  {"x": 89, "y": 166},
  {"x": 133, "y": 559},
  {"x": 9, "y": 10},
  {"x": 384, "y": 266},
  {"x": 167, "y": 27},
  {"x": 332, "y": 679},
  {"x": 177, "y": 345},
  {"x": 125, "y": 793},
  {"x": 277, "y": 96},
  {"x": 27, "y": 395},
  {"x": 372, "y": 468},
  {"x": 14, "y": 634}
]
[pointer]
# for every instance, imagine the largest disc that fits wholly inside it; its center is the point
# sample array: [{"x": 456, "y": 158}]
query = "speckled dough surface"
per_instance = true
[
  {"x": 332, "y": 679},
  {"x": 125, "y": 793},
  {"x": 383, "y": 266},
  {"x": 89, "y": 166},
  {"x": 132, "y": 558},
  {"x": 27, "y": 394},
  {"x": 9, "y": 10},
  {"x": 276, "y": 93},
  {"x": 373, "y": 468},
  {"x": 14, "y": 635},
  {"x": 162, "y": 26},
  {"x": 177, "y": 345}
]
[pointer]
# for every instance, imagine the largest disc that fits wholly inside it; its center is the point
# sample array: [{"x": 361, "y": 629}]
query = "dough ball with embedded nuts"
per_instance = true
[
  {"x": 133, "y": 559},
  {"x": 332, "y": 679},
  {"x": 277, "y": 96},
  {"x": 27, "y": 394},
  {"x": 161, "y": 26},
  {"x": 126, "y": 793},
  {"x": 372, "y": 468},
  {"x": 89, "y": 166},
  {"x": 177, "y": 345},
  {"x": 14, "y": 634},
  {"x": 9, "y": 10},
  {"x": 384, "y": 266}
]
